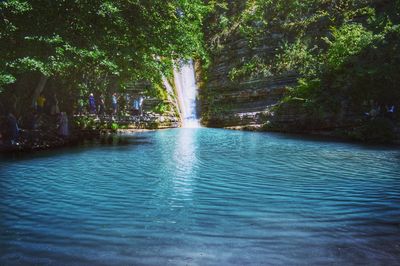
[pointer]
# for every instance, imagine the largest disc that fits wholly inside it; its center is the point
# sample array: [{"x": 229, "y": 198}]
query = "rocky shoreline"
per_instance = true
[
  {"x": 83, "y": 128},
  {"x": 38, "y": 140},
  {"x": 336, "y": 134}
]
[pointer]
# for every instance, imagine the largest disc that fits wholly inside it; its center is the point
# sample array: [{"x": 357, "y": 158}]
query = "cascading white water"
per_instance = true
[{"x": 185, "y": 83}]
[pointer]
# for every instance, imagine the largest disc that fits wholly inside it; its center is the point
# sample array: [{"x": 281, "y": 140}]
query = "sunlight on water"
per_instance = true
[
  {"x": 184, "y": 160},
  {"x": 202, "y": 197}
]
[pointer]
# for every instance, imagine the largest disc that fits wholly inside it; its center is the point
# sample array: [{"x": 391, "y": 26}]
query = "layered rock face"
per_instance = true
[
  {"x": 241, "y": 88},
  {"x": 246, "y": 101}
]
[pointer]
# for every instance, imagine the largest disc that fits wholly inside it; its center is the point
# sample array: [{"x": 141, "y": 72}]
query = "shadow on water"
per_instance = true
[
  {"x": 104, "y": 142},
  {"x": 333, "y": 140},
  {"x": 127, "y": 141},
  {"x": 313, "y": 138}
]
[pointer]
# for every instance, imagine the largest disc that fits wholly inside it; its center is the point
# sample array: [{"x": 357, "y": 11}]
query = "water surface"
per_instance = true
[{"x": 202, "y": 197}]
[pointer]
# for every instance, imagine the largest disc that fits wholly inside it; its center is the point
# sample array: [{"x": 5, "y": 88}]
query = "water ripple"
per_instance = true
[{"x": 202, "y": 197}]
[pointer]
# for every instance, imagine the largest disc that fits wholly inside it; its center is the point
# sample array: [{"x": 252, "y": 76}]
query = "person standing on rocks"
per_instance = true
[
  {"x": 92, "y": 104},
  {"x": 102, "y": 105},
  {"x": 135, "y": 107},
  {"x": 40, "y": 103},
  {"x": 63, "y": 130},
  {"x": 390, "y": 110},
  {"x": 140, "y": 101},
  {"x": 114, "y": 101},
  {"x": 127, "y": 99},
  {"x": 13, "y": 129},
  {"x": 55, "y": 110}
]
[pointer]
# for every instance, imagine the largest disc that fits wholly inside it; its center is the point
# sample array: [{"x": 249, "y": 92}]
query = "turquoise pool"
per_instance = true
[{"x": 202, "y": 197}]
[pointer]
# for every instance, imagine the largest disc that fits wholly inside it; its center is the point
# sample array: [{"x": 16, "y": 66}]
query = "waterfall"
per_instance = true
[{"x": 185, "y": 83}]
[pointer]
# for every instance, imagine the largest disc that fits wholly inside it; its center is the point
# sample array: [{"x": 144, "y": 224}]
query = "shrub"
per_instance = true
[
  {"x": 114, "y": 126},
  {"x": 348, "y": 40}
]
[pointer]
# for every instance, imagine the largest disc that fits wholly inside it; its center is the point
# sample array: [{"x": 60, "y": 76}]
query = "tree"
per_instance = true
[{"x": 96, "y": 44}]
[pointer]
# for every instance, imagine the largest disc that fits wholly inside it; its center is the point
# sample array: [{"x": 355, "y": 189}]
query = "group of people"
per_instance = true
[
  {"x": 53, "y": 109},
  {"x": 11, "y": 133},
  {"x": 387, "y": 111},
  {"x": 98, "y": 106},
  {"x": 45, "y": 115},
  {"x": 44, "y": 105}
]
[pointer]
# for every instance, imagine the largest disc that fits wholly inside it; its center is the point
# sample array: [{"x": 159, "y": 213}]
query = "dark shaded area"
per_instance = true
[{"x": 80, "y": 145}]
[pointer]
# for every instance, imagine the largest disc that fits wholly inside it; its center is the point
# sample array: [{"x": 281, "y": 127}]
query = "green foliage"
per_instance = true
[
  {"x": 348, "y": 40},
  {"x": 250, "y": 69},
  {"x": 161, "y": 108},
  {"x": 345, "y": 53},
  {"x": 27, "y": 64},
  {"x": 157, "y": 90},
  {"x": 96, "y": 44},
  {"x": 298, "y": 57},
  {"x": 90, "y": 123},
  {"x": 85, "y": 122},
  {"x": 6, "y": 79},
  {"x": 114, "y": 127},
  {"x": 306, "y": 89}
]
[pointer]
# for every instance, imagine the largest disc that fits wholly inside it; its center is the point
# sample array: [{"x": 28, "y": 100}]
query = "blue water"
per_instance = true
[{"x": 202, "y": 197}]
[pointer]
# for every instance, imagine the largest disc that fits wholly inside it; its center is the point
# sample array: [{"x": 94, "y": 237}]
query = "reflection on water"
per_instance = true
[
  {"x": 184, "y": 159},
  {"x": 202, "y": 197}
]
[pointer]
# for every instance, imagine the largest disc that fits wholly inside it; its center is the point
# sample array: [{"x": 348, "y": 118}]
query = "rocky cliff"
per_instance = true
[
  {"x": 303, "y": 68},
  {"x": 227, "y": 101}
]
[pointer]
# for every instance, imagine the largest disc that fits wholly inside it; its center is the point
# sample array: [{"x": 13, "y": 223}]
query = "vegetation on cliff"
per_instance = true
[{"x": 344, "y": 53}]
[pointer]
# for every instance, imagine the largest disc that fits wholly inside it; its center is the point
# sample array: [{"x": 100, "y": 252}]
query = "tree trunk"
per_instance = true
[
  {"x": 69, "y": 106},
  {"x": 39, "y": 88}
]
